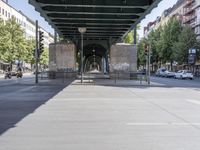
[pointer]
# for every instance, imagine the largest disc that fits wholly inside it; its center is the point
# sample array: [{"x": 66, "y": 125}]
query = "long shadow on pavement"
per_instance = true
[{"x": 20, "y": 100}]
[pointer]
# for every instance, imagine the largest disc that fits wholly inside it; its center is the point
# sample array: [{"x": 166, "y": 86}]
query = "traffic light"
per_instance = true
[
  {"x": 146, "y": 49},
  {"x": 41, "y": 44}
]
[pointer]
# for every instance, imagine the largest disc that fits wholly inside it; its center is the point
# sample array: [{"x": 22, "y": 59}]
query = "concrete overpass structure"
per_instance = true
[{"x": 107, "y": 23}]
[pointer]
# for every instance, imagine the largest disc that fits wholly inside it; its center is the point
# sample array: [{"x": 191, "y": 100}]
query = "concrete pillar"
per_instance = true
[
  {"x": 135, "y": 36},
  {"x": 55, "y": 36},
  {"x": 62, "y": 57},
  {"x": 123, "y": 58}
]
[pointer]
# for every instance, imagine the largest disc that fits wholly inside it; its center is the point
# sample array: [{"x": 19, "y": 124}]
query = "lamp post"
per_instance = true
[{"x": 82, "y": 30}]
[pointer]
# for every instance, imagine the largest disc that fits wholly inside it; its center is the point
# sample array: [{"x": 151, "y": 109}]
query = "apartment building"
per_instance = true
[
  {"x": 187, "y": 11},
  {"x": 192, "y": 15},
  {"x": 176, "y": 11},
  {"x": 28, "y": 25}
]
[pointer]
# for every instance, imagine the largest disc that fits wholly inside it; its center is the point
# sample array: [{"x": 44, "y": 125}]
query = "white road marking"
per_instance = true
[
  {"x": 163, "y": 124},
  {"x": 194, "y": 101},
  {"x": 146, "y": 124}
]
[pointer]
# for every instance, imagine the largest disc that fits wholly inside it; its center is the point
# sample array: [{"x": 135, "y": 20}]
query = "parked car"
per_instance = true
[
  {"x": 161, "y": 72},
  {"x": 169, "y": 74},
  {"x": 184, "y": 74}
]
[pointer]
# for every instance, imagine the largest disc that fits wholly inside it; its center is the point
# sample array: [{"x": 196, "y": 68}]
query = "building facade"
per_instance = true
[
  {"x": 192, "y": 15},
  {"x": 187, "y": 11},
  {"x": 28, "y": 25},
  {"x": 176, "y": 11}
]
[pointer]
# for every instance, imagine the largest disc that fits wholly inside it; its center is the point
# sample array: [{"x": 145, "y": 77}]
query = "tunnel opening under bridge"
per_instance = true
[{"x": 95, "y": 59}]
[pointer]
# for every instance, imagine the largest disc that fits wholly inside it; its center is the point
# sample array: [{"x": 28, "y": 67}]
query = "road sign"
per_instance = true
[
  {"x": 191, "y": 59},
  {"x": 192, "y": 51}
]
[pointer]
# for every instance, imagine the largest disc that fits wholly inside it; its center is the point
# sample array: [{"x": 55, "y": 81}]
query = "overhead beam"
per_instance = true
[
  {"x": 97, "y": 34},
  {"x": 93, "y": 13},
  {"x": 99, "y": 23},
  {"x": 90, "y": 36},
  {"x": 96, "y": 31},
  {"x": 95, "y": 19},
  {"x": 94, "y": 6},
  {"x": 105, "y": 28}
]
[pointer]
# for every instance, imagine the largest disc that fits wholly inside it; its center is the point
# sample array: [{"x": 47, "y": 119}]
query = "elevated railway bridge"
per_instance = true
[{"x": 106, "y": 22}]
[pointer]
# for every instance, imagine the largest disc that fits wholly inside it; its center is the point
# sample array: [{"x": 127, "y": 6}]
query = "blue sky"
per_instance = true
[{"x": 31, "y": 13}]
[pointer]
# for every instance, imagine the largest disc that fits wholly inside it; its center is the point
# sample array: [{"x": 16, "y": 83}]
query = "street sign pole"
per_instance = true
[
  {"x": 36, "y": 53},
  {"x": 82, "y": 31},
  {"x": 149, "y": 61},
  {"x": 81, "y": 57}
]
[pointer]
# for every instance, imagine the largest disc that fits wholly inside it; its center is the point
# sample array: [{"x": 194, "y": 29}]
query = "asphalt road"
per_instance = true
[
  {"x": 176, "y": 82},
  {"x": 87, "y": 117}
]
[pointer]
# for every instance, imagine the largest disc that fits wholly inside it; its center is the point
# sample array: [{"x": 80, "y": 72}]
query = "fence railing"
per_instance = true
[
  {"x": 89, "y": 77},
  {"x": 128, "y": 76}
]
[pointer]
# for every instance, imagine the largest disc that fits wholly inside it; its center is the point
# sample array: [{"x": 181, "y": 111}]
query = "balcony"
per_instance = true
[
  {"x": 195, "y": 24},
  {"x": 189, "y": 19},
  {"x": 189, "y": 2},
  {"x": 189, "y": 10}
]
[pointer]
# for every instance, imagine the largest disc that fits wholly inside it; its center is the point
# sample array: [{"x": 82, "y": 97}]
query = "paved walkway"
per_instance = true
[{"x": 97, "y": 117}]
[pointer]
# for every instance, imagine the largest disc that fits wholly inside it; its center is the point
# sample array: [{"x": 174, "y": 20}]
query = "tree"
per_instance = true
[
  {"x": 30, "y": 51},
  {"x": 141, "y": 52},
  {"x": 129, "y": 37},
  {"x": 169, "y": 36},
  {"x": 186, "y": 40},
  {"x": 44, "y": 57},
  {"x": 153, "y": 41},
  {"x": 15, "y": 46},
  {"x": 3, "y": 39}
]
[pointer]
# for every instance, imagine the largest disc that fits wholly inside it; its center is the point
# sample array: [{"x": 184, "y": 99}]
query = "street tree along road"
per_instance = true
[
  {"x": 14, "y": 46},
  {"x": 169, "y": 43}
]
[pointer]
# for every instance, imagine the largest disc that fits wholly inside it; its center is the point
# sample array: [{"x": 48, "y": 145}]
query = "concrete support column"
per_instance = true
[
  {"x": 55, "y": 36},
  {"x": 135, "y": 36},
  {"x": 123, "y": 58},
  {"x": 62, "y": 57}
]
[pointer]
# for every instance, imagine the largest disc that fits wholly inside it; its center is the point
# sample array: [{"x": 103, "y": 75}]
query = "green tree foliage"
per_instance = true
[
  {"x": 15, "y": 46},
  {"x": 141, "y": 52},
  {"x": 44, "y": 57},
  {"x": 30, "y": 51},
  {"x": 129, "y": 37},
  {"x": 169, "y": 36},
  {"x": 3, "y": 38},
  {"x": 153, "y": 39},
  {"x": 168, "y": 43},
  {"x": 186, "y": 40}
]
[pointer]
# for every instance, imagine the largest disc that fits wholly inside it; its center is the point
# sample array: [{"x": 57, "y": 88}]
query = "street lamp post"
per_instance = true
[{"x": 82, "y": 31}]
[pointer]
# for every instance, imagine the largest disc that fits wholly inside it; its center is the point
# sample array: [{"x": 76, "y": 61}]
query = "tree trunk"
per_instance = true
[{"x": 171, "y": 65}]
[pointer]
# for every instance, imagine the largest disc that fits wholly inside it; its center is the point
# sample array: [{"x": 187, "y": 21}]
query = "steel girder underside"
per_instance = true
[{"x": 104, "y": 19}]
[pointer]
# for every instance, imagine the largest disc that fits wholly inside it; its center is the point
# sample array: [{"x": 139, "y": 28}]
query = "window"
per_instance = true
[
  {"x": 6, "y": 13},
  {"x": 3, "y": 11},
  {"x": 0, "y": 9}
]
